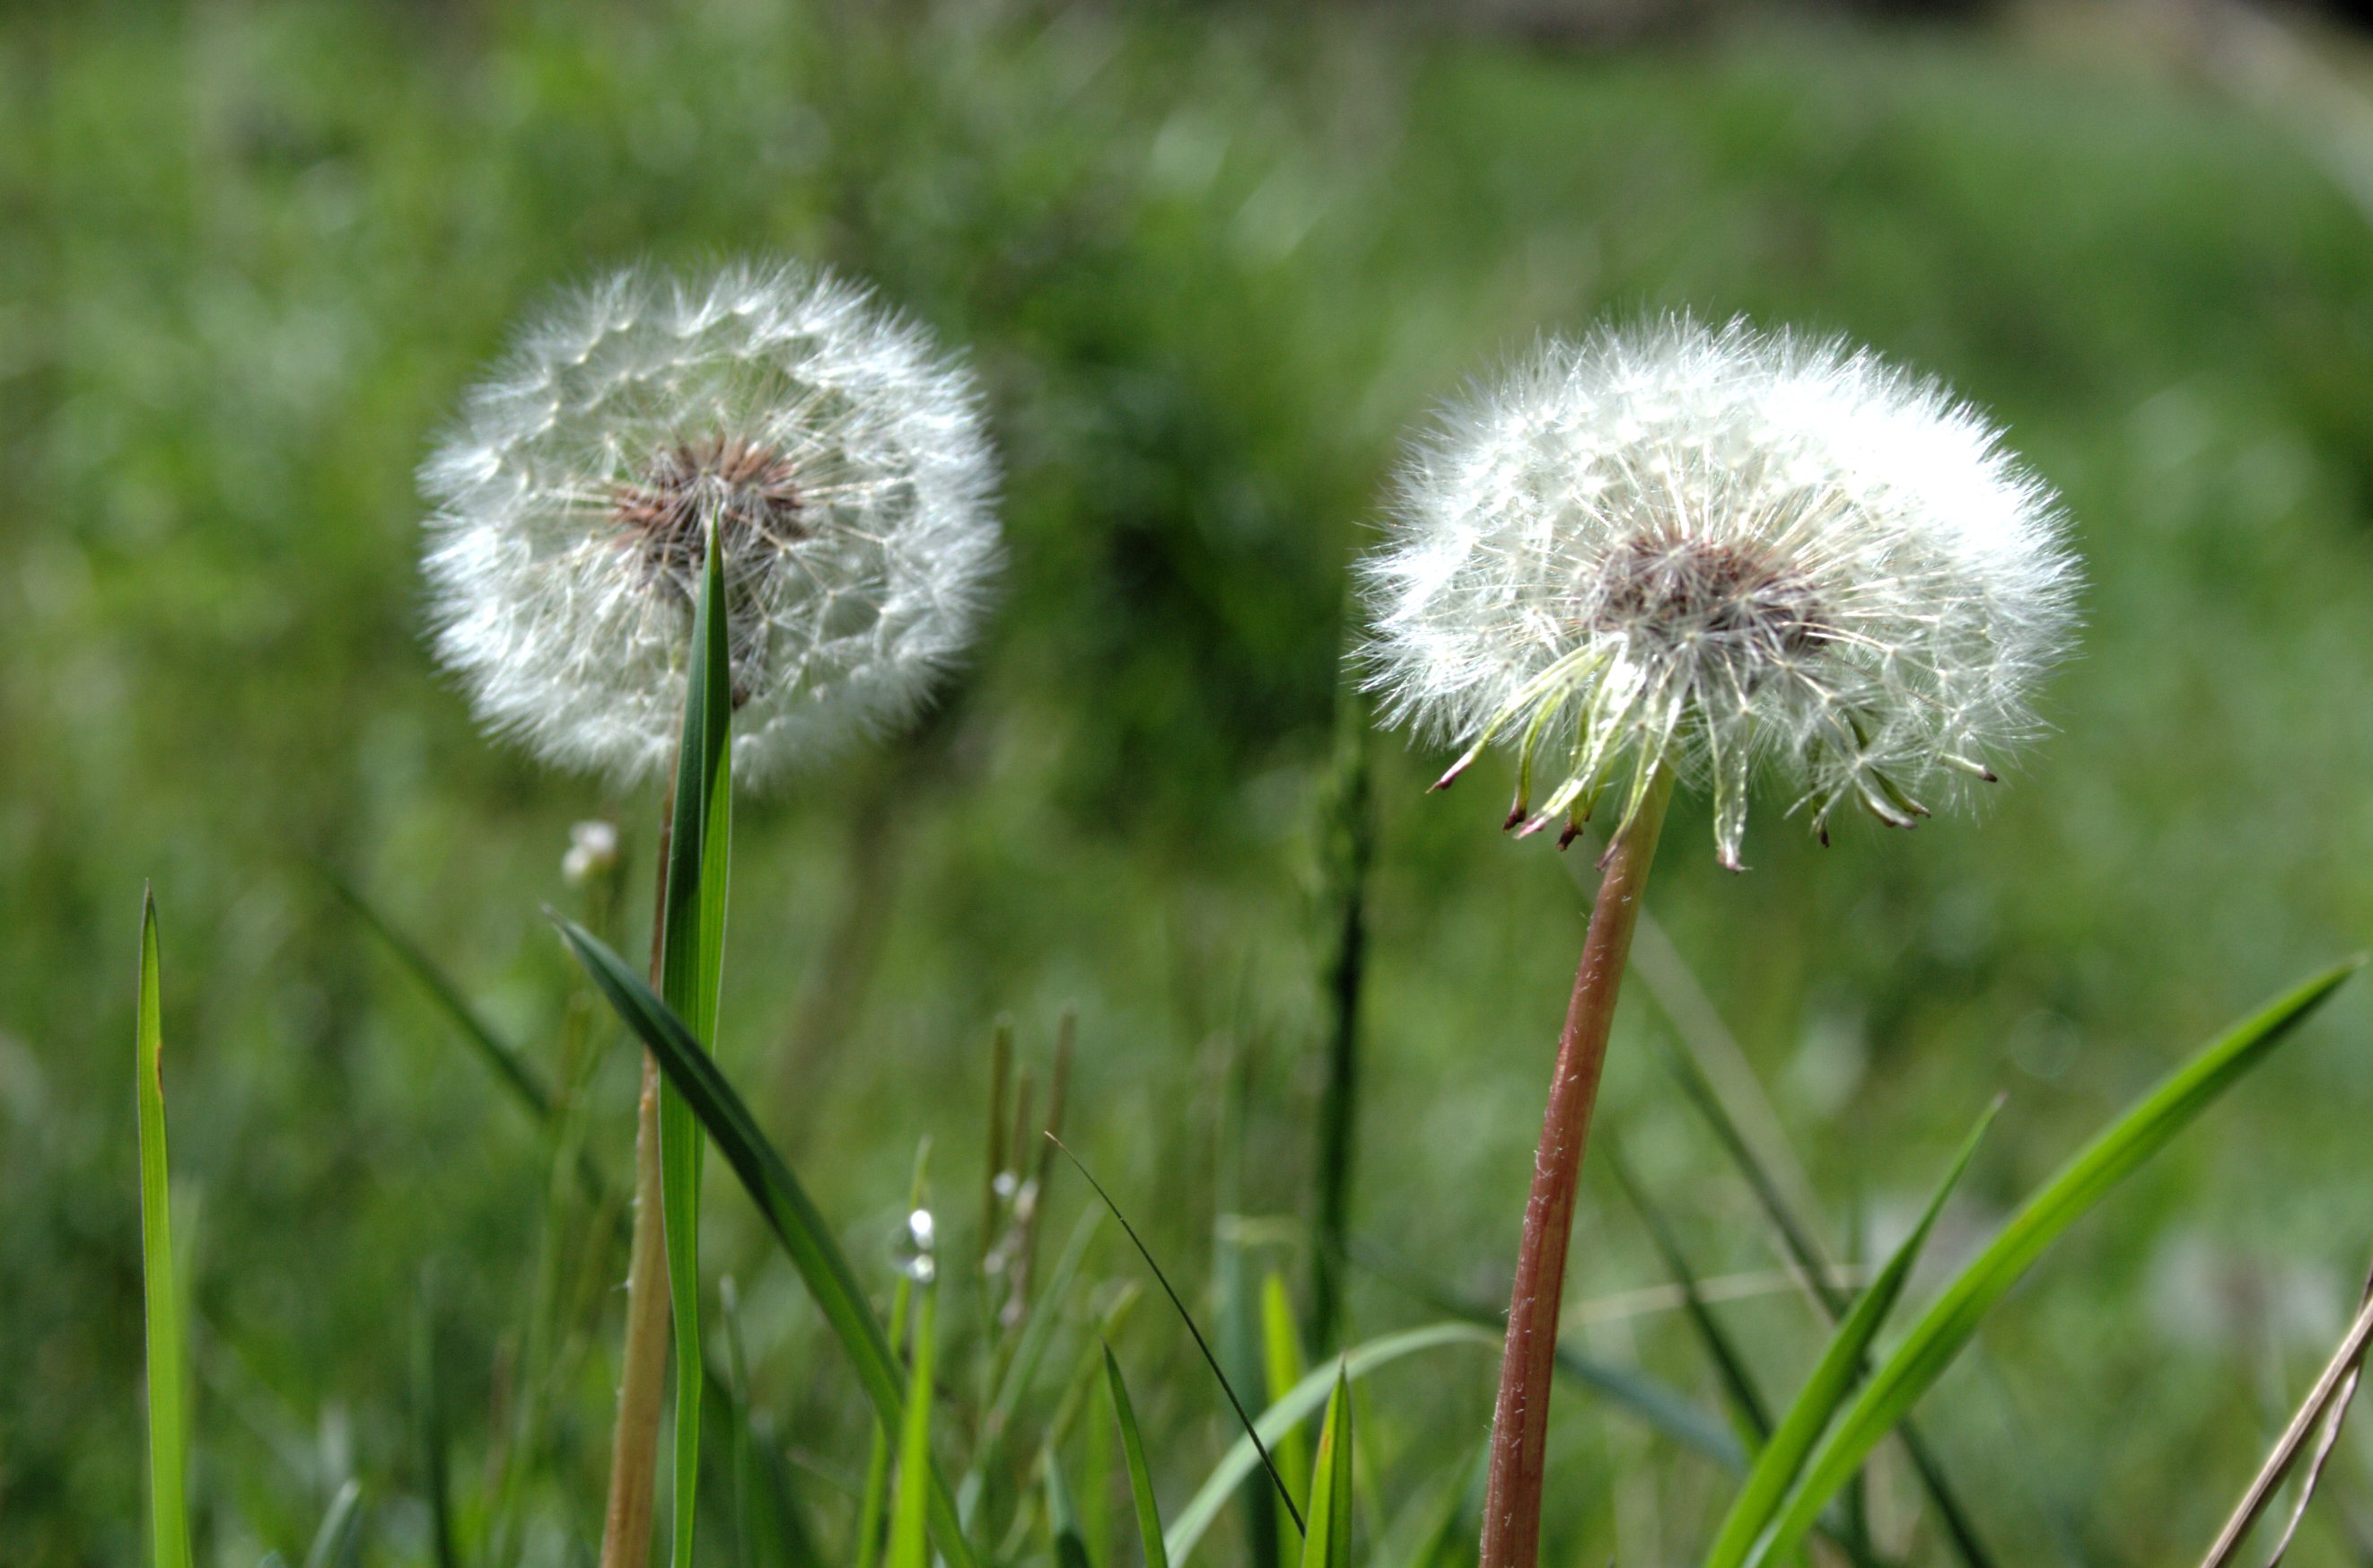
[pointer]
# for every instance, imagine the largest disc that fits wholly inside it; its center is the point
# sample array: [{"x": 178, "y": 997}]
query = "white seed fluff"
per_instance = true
[
  {"x": 839, "y": 455},
  {"x": 1719, "y": 549}
]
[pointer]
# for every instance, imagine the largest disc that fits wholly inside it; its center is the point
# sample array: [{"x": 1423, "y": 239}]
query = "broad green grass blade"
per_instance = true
[
  {"x": 788, "y": 1210},
  {"x": 874, "y": 1502},
  {"x": 338, "y": 1542},
  {"x": 1329, "y": 1542},
  {"x": 1797, "y": 1236},
  {"x": 909, "y": 1510},
  {"x": 1738, "y": 1382},
  {"x": 1063, "y": 1539},
  {"x": 168, "y": 1516},
  {"x": 1832, "y": 1379},
  {"x": 1308, "y": 1397},
  {"x": 1140, "y": 1479},
  {"x": 1283, "y": 1368},
  {"x": 692, "y": 953},
  {"x": 1948, "y": 1323}
]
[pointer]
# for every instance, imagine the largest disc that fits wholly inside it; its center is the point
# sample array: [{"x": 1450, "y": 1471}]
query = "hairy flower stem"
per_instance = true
[
  {"x": 1512, "y": 1503},
  {"x": 635, "y": 1441}
]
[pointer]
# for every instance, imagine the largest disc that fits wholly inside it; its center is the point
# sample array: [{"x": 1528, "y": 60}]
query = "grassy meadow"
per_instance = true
[{"x": 1211, "y": 267}]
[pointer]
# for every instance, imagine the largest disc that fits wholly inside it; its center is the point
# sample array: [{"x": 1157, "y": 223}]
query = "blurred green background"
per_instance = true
[{"x": 1212, "y": 267}]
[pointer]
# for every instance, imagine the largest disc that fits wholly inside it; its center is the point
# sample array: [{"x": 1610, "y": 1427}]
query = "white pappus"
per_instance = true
[
  {"x": 838, "y": 454},
  {"x": 1717, "y": 549}
]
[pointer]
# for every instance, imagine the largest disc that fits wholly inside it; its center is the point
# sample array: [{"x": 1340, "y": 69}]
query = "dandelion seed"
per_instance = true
[
  {"x": 1711, "y": 550},
  {"x": 839, "y": 455}
]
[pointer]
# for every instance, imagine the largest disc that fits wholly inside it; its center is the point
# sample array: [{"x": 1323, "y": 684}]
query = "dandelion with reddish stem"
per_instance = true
[
  {"x": 836, "y": 459},
  {"x": 1686, "y": 553}
]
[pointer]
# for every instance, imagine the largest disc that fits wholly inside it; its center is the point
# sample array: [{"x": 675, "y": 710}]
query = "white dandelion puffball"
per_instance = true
[
  {"x": 1715, "y": 550},
  {"x": 839, "y": 455}
]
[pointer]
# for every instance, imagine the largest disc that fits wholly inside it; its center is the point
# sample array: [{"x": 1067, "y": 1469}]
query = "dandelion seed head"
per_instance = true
[
  {"x": 839, "y": 455},
  {"x": 1719, "y": 550}
]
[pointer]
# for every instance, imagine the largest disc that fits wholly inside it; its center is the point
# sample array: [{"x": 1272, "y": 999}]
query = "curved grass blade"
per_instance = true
[
  {"x": 787, "y": 1208},
  {"x": 692, "y": 952},
  {"x": 168, "y": 1515},
  {"x": 1140, "y": 1479},
  {"x": 1953, "y": 1319},
  {"x": 337, "y": 1542},
  {"x": 909, "y": 1534},
  {"x": 1833, "y": 1378},
  {"x": 1309, "y": 1395},
  {"x": 1251, "y": 1432},
  {"x": 509, "y": 1066},
  {"x": 1328, "y": 1544}
]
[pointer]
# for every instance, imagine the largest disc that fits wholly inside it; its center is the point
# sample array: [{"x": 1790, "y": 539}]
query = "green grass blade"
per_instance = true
[
  {"x": 1832, "y": 1379},
  {"x": 1738, "y": 1384},
  {"x": 1329, "y": 1542},
  {"x": 1678, "y": 993},
  {"x": 909, "y": 1510},
  {"x": 1067, "y": 1547},
  {"x": 1949, "y": 1323},
  {"x": 806, "y": 1239},
  {"x": 169, "y": 1515},
  {"x": 339, "y": 1541},
  {"x": 692, "y": 952},
  {"x": 1308, "y": 1397},
  {"x": 1141, "y": 1479},
  {"x": 874, "y": 1502},
  {"x": 428, "y": 1420},
  {"x": 1283, "y": 1368}
]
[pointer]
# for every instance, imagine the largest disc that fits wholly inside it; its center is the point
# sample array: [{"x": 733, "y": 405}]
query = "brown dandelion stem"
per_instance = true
[
  {"x": 642, "y": 1380},
  {"x": 1512, "y": 1503}
]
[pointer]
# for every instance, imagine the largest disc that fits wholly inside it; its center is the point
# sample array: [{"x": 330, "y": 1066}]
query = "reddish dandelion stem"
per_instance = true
[{"x": 1511, "y": 1505}]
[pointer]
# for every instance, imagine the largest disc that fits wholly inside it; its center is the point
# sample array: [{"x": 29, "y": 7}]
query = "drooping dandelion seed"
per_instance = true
[
  {"x": 1715, "y": 549},
  {"x": 839, "y": 455},
  {"x": 1682, "y": 551}
]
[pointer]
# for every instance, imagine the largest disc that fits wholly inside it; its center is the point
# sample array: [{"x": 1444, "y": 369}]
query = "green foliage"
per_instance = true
[
  {"x": 169, "y": 1434},
  {"x": 1212, "y": 268}
]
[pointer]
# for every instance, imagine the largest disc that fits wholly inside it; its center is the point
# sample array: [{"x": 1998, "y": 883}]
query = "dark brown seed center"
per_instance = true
[
  {"x": 1674, "y": 586},
  {"x": 746, "y": 487}
]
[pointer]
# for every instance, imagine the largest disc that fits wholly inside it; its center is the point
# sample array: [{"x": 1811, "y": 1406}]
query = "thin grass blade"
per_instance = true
[
  {"x": 1140, "y": 1479},
  {"x": 168, "y": 1516},
  {"x": 1833, "y": 1378},
  {"x": 806, "y": 1239},
  {"x": 1329, "y": 1542},
  {"x": 1730, "y": 1366},
  {"x": 2324, "y": 1405},
  {"x": 1252, "y": 1434},
  {"x": 1954, "y": 1318}
]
